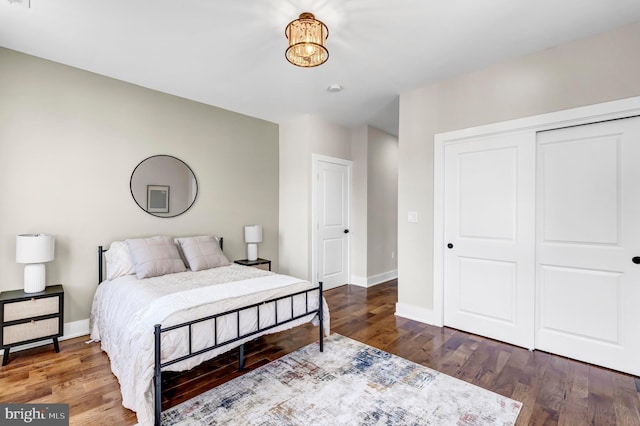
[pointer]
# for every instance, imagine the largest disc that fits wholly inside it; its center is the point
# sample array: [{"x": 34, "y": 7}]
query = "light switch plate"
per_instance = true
[{"x": 412, "y": 217}]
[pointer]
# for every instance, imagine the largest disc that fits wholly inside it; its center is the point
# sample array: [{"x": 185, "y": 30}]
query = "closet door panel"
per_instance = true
[
  {"x": 588, "y": 205},
  {"x": 489, "y": 232}
]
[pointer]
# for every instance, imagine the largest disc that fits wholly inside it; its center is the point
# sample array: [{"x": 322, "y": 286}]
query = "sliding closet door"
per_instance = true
[
  {"x": 588, "y": 286},
  {"x": 489, "y": 233}
]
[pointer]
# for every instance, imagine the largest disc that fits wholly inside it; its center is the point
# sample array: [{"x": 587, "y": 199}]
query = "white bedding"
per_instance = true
[{"x": 125, "y": 310}]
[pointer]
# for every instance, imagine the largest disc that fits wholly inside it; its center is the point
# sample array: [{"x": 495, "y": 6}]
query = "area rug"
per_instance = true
[{"x": 349, "y": 383}]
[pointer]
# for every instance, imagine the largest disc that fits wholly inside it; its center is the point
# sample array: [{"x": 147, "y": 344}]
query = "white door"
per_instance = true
[
  {"x": 332, "y": 222},
  {"x": 588, "y": 288},
  {"x": 490, "y": 234}
]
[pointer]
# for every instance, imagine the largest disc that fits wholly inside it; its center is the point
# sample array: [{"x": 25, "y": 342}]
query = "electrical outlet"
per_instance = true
[{"x": 412, "y": 217}]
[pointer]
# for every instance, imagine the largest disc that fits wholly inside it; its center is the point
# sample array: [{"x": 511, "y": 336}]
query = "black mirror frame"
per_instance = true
[{"x": 195, "y": 196}]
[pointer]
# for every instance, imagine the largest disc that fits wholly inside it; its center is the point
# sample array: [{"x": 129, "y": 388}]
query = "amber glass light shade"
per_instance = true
[{"x": 306, "y": 37}]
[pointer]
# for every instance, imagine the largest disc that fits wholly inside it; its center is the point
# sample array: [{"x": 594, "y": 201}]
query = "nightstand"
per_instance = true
[
  {"x": 258, "y": 263},
  {"x": 30, "y": 317}
]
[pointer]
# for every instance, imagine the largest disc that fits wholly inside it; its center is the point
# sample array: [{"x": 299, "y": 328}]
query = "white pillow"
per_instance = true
[
  {"x": 119, "y": 261},
  {"x": 155, "y": 256},
  {"x": 202, "y": 252}
]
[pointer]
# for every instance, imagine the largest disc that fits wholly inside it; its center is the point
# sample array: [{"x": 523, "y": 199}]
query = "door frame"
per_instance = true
[
  {"x": 315, "y": 160},
  {"x": 612, "y": 110}
]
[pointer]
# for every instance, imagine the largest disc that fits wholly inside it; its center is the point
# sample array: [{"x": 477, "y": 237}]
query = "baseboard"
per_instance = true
[
  {"x": 71, "y": 330},
  {"x": 382, "y": 278},
  {"x": 358, "y": 280},
  {"x": 415, "y": 313},
  {"x": 374, "y": 280},
  {"x": 75, "y": 329}
]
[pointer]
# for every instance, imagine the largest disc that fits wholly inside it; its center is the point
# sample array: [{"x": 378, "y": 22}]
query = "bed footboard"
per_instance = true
[{"x": 158, "y": 331}]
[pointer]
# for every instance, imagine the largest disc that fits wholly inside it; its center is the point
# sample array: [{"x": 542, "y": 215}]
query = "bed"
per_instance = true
[{"x": 168, "y": 304}]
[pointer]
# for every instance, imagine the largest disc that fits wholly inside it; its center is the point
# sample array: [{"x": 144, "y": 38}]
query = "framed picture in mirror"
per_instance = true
[{"x": 158, "y": 198}]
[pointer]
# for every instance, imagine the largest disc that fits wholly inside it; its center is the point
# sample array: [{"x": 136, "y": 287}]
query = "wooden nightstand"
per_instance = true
[
  {"x": 30, "y": 317},
  {"x": 258, "y": 263}
]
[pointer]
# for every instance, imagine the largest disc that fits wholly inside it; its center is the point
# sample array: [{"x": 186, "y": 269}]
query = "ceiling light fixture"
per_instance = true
[{"x": 306, "y": 37}]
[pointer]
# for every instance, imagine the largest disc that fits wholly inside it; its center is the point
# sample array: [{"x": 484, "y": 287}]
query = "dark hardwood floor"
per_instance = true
[{"x": 554, "y": 390}]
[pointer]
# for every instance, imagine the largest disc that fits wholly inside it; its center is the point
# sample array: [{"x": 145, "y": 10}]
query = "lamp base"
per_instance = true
[
  {"x": 252, "y": 251},
  {"x": 34, "y": 277}
]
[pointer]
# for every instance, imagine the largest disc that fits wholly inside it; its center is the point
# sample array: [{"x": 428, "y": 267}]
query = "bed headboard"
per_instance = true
[{"x": 102, "y": 251}]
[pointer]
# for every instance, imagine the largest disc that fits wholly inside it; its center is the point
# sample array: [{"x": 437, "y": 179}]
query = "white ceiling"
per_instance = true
[{"x": 230, "y": 53}]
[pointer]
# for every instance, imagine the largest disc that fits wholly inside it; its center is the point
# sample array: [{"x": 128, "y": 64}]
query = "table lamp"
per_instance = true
[
  {"x": 252, "y": 236},
  {"x": 34, "y": 250}
]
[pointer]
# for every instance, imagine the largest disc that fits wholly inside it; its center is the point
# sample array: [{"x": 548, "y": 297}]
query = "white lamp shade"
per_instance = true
[
  {"x": 34, "y": 248},
  {"x": 253, "y": 234}
]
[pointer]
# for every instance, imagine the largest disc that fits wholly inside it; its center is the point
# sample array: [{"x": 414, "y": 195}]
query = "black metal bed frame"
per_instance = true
[{"x": 158, "y": 330}]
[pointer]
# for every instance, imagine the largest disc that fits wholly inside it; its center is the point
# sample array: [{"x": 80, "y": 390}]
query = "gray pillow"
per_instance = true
[
  {"x": 119, "y": 261},
  {"x": 155, "y": 256},
  {"x": 202, "y": 252}
]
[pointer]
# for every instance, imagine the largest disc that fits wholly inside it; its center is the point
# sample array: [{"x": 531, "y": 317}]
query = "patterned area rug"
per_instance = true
[{"x": 349, "y": 383}]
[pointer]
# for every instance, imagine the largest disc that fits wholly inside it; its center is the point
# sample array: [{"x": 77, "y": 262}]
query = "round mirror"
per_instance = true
[{"x": 163, "y": 186}]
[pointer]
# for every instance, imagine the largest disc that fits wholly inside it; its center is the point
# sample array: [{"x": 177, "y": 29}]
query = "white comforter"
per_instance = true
[{"x": 125, "y": 310}]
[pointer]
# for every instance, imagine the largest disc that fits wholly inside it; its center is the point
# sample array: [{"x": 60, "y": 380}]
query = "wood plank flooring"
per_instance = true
[{"x": 554, "y": 390}]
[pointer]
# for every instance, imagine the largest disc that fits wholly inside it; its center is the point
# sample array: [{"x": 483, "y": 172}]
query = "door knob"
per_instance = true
[
  {"x": 450, "y": 245},
  {"x": 346, "y": 231},
  {"x": 636, "y": 260}
]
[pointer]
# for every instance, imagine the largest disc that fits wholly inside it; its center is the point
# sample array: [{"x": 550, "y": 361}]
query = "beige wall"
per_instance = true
[
  {"x": 295, "y": 171},
  {"x": 593, "y": 70},
  {"x": 374, "y": 225},
  {"x": 299, "y": 139},
  {"x": 358, "y": 227},
  {"x": 382, "y": 205},
  {"x": 69, "y": 141},
  {"x": 373, "y": 194}
]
